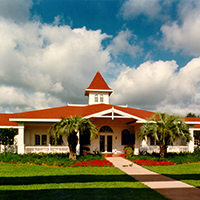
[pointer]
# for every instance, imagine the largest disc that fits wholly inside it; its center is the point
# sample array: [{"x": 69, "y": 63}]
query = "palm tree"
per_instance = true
[
  {"x": 71, "y": 126},
  {"x": 165, "y": 129}
]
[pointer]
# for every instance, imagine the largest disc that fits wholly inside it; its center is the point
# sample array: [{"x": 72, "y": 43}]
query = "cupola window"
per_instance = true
[
  {"x": 96, "y": 98},
  {"x": 101, "y": 98}
]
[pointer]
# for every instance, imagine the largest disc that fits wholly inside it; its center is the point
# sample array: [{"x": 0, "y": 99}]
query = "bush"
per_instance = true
[
  {"x": 61, "y": 160},
  {"x": 180, "y": 158},
  {"x": 128, "y": 151}
]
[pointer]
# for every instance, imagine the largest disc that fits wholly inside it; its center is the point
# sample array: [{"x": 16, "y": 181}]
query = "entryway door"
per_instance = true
[{"x": 106, "y": 143}]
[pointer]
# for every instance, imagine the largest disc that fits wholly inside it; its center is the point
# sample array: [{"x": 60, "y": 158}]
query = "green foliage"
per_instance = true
[
  {"x": 180, "y": 158},
  {"x": 61, "y": 160},
  {"x": 71, "y": 126},
  {"x": 165, "y": 129},
  {"x": 7, "y": 137},
  {"x": 128, "y": 151},
  {"x": 192, "y": 115}
]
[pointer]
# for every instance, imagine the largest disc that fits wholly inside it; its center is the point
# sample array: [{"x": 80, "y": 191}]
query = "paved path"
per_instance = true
[{"x": 170, "y": 188}]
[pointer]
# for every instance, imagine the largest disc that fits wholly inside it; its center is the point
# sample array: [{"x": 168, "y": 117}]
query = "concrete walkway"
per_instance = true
[{"x": 170, "y": 188}]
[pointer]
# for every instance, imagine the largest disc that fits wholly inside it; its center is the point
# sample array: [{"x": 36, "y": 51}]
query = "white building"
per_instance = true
[{"x": 118, "y": 125}]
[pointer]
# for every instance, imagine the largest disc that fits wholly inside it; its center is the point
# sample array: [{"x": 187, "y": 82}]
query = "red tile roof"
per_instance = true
[
  {"x": 98, "y": 83},
  {"x": 4, "y": 120},
  {"x": 73, "y": 110}
]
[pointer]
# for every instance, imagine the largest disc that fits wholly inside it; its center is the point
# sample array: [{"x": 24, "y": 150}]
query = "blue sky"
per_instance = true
[{"x": 148, "y": 52}]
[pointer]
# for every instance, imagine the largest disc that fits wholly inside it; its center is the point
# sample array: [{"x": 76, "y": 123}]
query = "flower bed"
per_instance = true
[
  {"x": 93, "y": 163},
  {"x": 153, "y": 162}
]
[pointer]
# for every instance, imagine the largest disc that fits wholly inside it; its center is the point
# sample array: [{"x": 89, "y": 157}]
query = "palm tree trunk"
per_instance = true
[
  {"x": 72, "y": 141},
  {"x": 72, "y": 152},
  {"x": 163, "y": 151}
]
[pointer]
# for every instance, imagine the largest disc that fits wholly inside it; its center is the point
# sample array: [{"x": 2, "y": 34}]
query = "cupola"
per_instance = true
[{"x": 98, "y": 91}]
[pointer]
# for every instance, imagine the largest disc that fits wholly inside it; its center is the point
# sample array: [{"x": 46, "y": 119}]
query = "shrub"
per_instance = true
[
  {"x": 61, "y": 160},
  {"x": 128, "y": 150},
  {"x": 180, "y": 158}
]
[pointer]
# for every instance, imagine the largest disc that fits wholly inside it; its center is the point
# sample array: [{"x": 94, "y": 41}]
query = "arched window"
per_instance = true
[
  {"x": 107, "y": 129},
  {"x": 127, "y": 137},
  {"x": 101, "y": 98},
  {"x": 96, "y": 98}
]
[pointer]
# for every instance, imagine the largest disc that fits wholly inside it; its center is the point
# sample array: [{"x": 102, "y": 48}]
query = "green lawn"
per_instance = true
[
  {"x": 39, "y": 182},
  {"x": 188, "y": 173}
]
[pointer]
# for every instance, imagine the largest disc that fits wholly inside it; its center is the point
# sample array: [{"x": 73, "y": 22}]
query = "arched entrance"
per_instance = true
[{"x": 106, "y": 139}]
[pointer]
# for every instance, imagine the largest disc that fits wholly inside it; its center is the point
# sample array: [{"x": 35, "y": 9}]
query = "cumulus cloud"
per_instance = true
[
  {"x": 133, "y": 8},
  {"x": 16, "y": 99},
  {"x": 48, "y": 62},
  {"x": 159, "y": 86},
  {"x": 19, "y": 10},
  {"x": 184, "y": 34},
  {"x": 124, "y": 42}
]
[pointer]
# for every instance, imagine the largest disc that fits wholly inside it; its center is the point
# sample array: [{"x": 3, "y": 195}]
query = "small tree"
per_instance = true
[
  {"x": 70, "y": 127},
  {"x": 165, "y": 129},
  {"x": 7, "y": 137},
  {"x": 191, "y": 115}
]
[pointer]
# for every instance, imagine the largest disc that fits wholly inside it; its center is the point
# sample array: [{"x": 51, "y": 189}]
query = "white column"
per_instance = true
[
  {"x": 191, "y": 142},
  {"x": 78, "y": 148},
  {"x": 20, "y": 138}
]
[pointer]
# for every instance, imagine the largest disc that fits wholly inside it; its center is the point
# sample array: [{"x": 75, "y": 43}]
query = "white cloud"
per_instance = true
[
  {"x": 124, "y": 42},
  {"x": 184, "y": 35},
  {"x": 158, "y": 86},
  {"x": 133, "y": 8},
  {"x": 16, "y": 99},
  {"x": 46, "y": 59},
  {"x": 17, "y": 10}
]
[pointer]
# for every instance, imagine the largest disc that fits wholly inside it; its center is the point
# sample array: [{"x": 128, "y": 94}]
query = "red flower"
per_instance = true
[
  {"x": 153, "y": 162},
  {"x": 98, "y": 163}
]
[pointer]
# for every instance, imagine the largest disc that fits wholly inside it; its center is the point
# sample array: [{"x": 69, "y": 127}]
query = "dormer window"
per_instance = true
[
  {"x": 101, "y": 98},
  {"x": 96, "y": 98}
]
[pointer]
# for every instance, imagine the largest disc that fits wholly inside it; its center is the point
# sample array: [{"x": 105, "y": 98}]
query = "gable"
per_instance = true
[{"x": 114, "y": 113}]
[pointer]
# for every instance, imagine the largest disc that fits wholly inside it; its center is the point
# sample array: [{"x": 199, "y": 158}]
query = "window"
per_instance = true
[
  {"x": 96, "y": 98},
  {"x": 85, "y": 138},
  {"x": 107, "y": 129},
  {"x": 101, "y": 98},
  {"x": 196, "y": 137},
  {"x": 40, "y": 139},
  {"x": 127, "y": 137},
  {"x": 153, "y": 141},
  {"x": 44, "y": 139},
  {"x": 52, "y": 140},
  {"x": 37, "y": 139}
]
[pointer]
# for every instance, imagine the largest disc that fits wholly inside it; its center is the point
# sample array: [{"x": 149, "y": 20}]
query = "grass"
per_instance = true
[
  {"x": 188, "y": 173},
  {"x": 20, "y": 181}
]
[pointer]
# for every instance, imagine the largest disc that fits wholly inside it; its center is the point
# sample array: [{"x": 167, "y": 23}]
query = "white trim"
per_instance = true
[
  {"x": 192, "y": 122},
  {"x": 77, "y": 104},
  {"x": 113, "y": 111},
  {"x": 9, "y": 127},
  {"x": 98, "y": 90},
  {"x": 33, "y": 120},
  {"x": 195, "y": 129}
]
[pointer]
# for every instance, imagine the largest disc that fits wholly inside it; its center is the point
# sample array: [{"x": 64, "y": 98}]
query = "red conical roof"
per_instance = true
[{"x": 98, "y": 84}]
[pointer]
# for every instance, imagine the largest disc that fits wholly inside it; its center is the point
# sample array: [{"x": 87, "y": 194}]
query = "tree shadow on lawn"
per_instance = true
[
  {"x": 64, "y": 179},
  {"x": 166, "y": 177},
  {"x": 85, "y": 193}
]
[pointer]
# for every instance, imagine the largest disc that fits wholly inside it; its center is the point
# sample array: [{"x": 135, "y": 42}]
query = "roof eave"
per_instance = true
[{"x": 97, "y": 90}]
